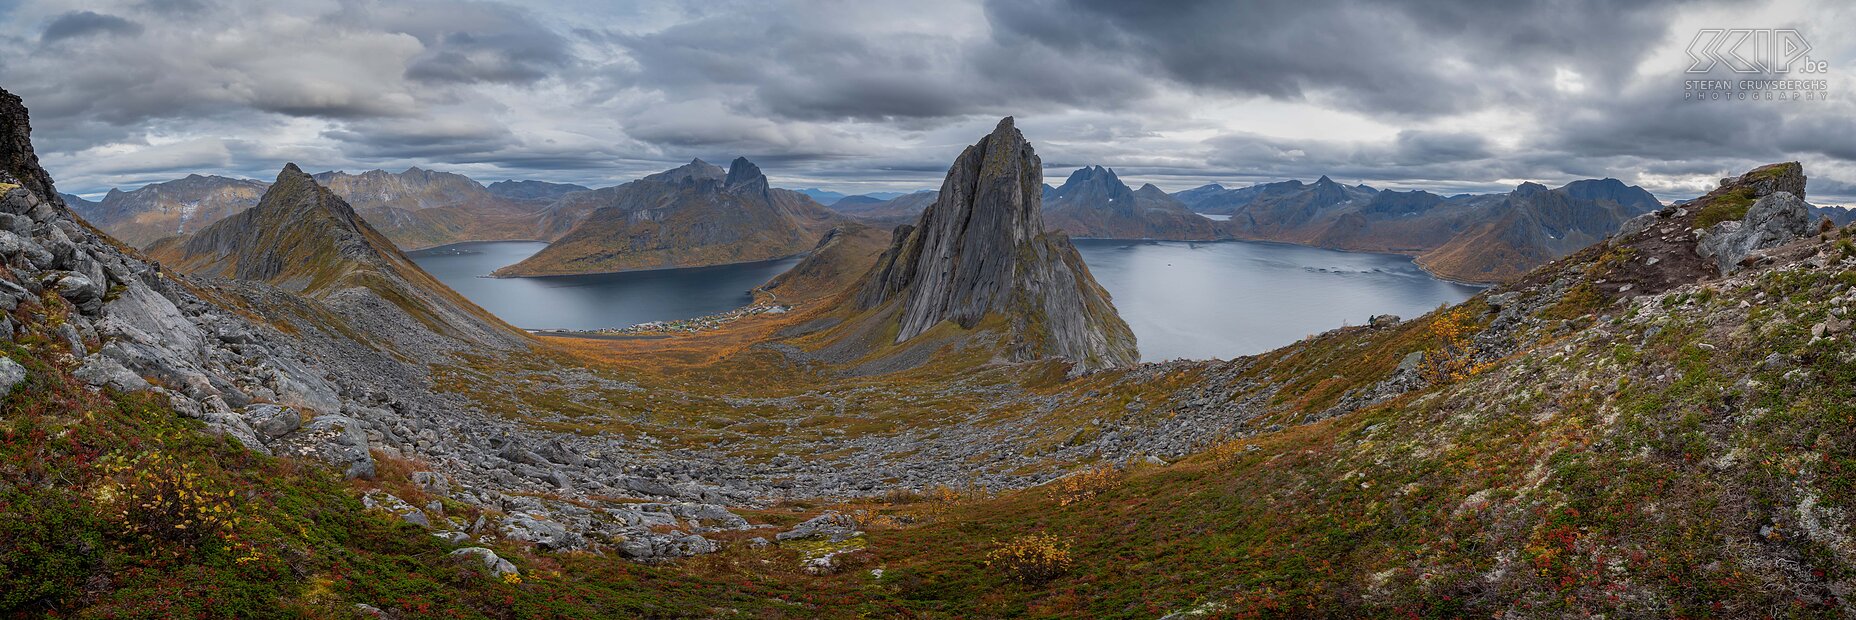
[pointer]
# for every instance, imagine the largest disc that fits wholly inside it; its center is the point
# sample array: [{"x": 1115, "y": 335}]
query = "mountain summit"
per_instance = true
[
  {"x": 693, "y": 215},
  {"x": 1094, "y": 202},
  {"x": 981, "y": 250}
]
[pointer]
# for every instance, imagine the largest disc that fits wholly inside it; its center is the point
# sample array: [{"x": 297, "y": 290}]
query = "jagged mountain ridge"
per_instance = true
[
  {"x": 694, "y": 215},
  {"x": 982, "y": 249},
  {"x": 1094, "y": 202}
]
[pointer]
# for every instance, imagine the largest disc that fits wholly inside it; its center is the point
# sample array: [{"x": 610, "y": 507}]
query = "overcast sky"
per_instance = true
[{"x": 869, "y": 95}]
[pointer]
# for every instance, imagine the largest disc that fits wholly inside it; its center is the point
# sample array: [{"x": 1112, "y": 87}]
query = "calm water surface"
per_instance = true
[
  {"x": 595, "y": 301},
  {"x": 1232, "y": 298},
  {"x": 1183, "y": 300}
]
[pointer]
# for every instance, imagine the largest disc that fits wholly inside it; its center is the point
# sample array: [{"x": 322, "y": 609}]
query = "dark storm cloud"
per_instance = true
[
  {"x": 1424, "y": 57},
  {"x": 790, "y": 64},
  {"x": 880, "y": 94},
  {"x": 86, "y": 23}
]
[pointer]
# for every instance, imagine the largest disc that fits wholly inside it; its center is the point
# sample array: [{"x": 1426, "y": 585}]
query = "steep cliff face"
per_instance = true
[
  {"x": 1094, "y": 202},
  {"x": 16, "y": 155},
  {"x": 691, "y": 216},
  {"x": 981, "y": 249}
]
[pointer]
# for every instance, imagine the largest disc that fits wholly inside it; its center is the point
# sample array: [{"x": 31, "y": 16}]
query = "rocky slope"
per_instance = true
[
  {"x": 982, "y": 250},
  {"x": 177, "y": 207},
  {"x": 691, "y": 216},
  {"x": 1094, "y": 202}
]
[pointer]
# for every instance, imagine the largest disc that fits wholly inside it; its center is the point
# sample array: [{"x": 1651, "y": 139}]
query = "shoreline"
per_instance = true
[{"x": 493, "y": 275}]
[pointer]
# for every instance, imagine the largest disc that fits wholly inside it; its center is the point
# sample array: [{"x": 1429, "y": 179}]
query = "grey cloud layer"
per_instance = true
[{"x": 880, "y": 94}]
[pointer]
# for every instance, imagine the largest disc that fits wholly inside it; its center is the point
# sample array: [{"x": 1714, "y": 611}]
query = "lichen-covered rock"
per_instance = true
[
  {"x": 1775, "y": 219},
  {"x": 981, "y": 250},
  {"x": 544, "y": 533},
  {"x": 273, "y": 421},
  {"x": 399, "y": 507},
  {"x": 831, "y": 525},
  {"x": 491, "y": 562},
  {"x": 11, "y": 375},
  {"x": 337, "y": 440},
  {"x": 650, "y": 547}
]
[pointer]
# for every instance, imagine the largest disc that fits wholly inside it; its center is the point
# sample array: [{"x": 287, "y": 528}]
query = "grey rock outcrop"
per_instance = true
[
  {"x": 491, "y": 562},
  {"x": 981, "y": 249},
  {"x": 11, "y": 375},
  {"x": 830, "y": 526},
  {"x": 1775, "y": 219},
  {"x": 337, "y": 440}
]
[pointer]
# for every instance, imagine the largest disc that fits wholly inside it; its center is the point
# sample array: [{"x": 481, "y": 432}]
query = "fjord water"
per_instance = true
[
  {"x": 592, "y": 301},
  {"x": 1183, "y": 300},
  {"x": 1226, "y": 299}
]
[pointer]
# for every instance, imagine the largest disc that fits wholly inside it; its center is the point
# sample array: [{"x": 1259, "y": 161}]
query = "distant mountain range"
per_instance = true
[
  {"x": 1469, "y": 237},
  {"x": 829, "y": 198},
  {"x": 414, "y": 209},
  {"x": 1094, "y": 202},
  {"x": 176, "y": 207},
  {"x": 693, "y": 215}
]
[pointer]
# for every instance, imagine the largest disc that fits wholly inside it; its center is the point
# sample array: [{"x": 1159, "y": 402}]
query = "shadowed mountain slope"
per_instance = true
[{"x": 691, "y": 216}]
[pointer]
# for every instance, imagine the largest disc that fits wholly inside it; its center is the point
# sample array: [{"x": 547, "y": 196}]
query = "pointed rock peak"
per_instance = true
[
  {"x": 1529, "y": 188},
  {"x": 698, "y": 162},
  {"x": 743, "y": 171},
  {"x": 1324, "y": 180},
  {"x": 291, "y": 171},
  {"x": 1216, "y": 186},
  {"x": 980, "y": 250}
]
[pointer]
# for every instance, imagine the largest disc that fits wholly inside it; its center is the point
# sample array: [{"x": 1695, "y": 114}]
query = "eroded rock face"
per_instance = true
[
  {"x": 1773, "y": 220},
  {"x": 981, "y": 249}
]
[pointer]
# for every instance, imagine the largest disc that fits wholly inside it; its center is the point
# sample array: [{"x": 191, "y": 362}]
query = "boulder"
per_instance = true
[
  {"x": 491, "y": 562},
  {"x": 432, "y": 482},
  {"x": 11, "y": 375},
  {"x": 831, "y": 525},
  {"x": 1772, "y": 221},
  {"x": 272, "y": 421},
  {"x": 102, "y": 371},
  {"x": 652, "y": 547},
  {"x": 337, "y": 440},
  {"x": 399, "y": 507},
  {"x": 83, "y": 293},
  {"x": 543, "y": 532}
]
